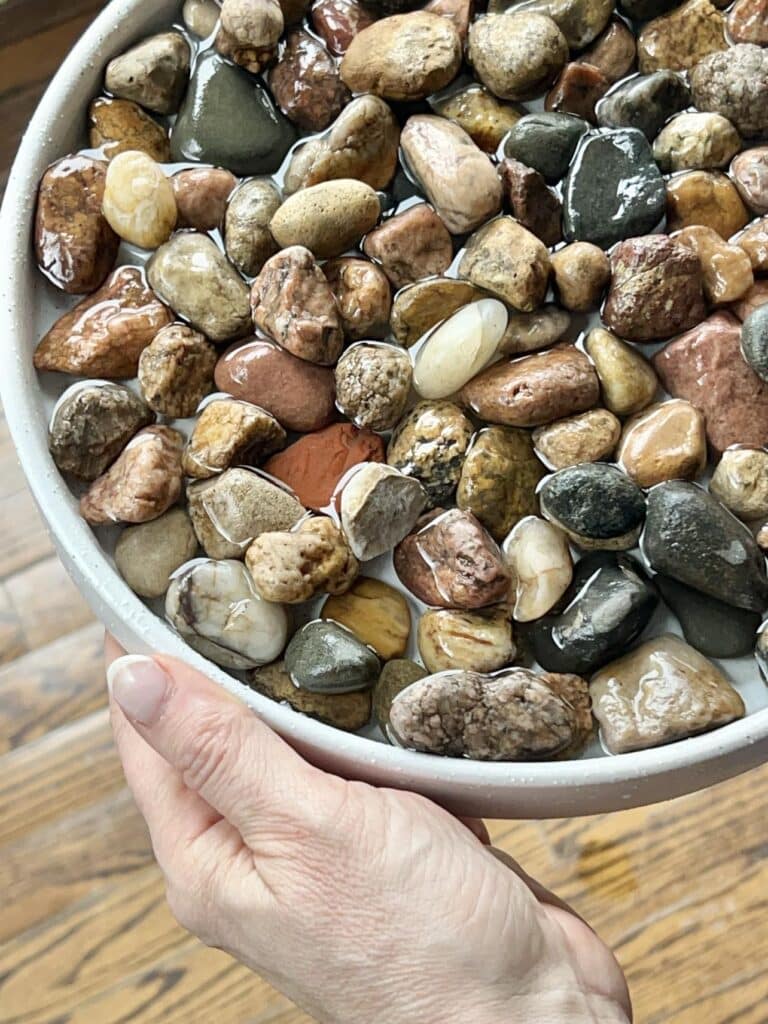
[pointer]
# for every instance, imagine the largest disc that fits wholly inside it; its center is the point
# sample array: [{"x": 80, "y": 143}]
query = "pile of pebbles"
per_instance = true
[{"x": 440, "y": 407}]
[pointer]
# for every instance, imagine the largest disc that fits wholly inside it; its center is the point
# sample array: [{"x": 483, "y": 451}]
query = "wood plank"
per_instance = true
[
  {"x": 25, "y": 538},
  {"x": 47, "y": 604},
  {"x": 22, "y": 18}
]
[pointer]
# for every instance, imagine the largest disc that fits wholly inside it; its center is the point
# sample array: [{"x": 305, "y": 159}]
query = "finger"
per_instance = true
[
  {"x": 477, "y": 827},
  {"x": 220, "y": 749},
  {"x": 542, "y": 894}
]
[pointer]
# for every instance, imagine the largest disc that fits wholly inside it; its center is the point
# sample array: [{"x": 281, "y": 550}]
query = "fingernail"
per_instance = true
[{"x": 139, "y": 686}]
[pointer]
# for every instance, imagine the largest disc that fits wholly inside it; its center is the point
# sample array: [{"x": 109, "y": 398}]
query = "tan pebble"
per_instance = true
[
  {"x": 754, "y": 241},
  {"x": 707, "y": 198},
  {"x": 517, "y": 55},
  {"x": 176, "y": 371},
  {"x": 680, "y": 39},
  {"x": 420, "y": 306},
  {"x": 590, "y": 437},
  {"x": 740, "y": 481},
  {"x": 328, "y": 218},
  {"x": 347, "y": 711},
  {"x": 228, "y": 431},
  {"x": 120, "y": 126},
  {"x": 540, "y": 565},
  {"x": 508, "y": 261},
  {"x": 666, "y": 442},
  {"x": 483, "y": 117},
  {"x": 528, "y": 332},
  {"x": 696, "y": 141},
  {"x": 139, "y": 201},
  {"x": 148, "y": 555},
  {"x": 582, "y": 272},
  {"x": 477, "y": 641},
  {"x": 363, "y": 295},
  {"x": 727, "y": 268},
  {"x": 376, "y": 613},
  {"x": 627, "y": 380}
]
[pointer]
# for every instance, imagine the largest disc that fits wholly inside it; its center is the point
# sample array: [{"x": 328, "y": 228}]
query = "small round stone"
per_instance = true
[
  {"x": 666, "y": 442},
  {"x": 517, "y": 55},
  {"x": 597, "y": 505},
  {"x": 430, "y": 444},
  {"x": 347, "y": 711},
  {"x": 202, "y": 195},
  {"x": 540, "y": 565},
  {"x": 754, "y": 340},
  {"x": 324, "y": 657},
  {"x": 376, "y": 613},
  {"x": 627, "y": 380},
  {"x": 707, "y": 198},
  {"x": 476, "y": 641},
  {"x": 590, "y": 437},
  {"x": 582, "y": 272},
  {"x": 176, "y": 371},
  {"x": 696, "y": 141},
  {"x": 740, "y": 481},
  {"x": 373, "y": 381},
  {"x": 139, "y": 203},
  {"x": 148, "y": 555},
  {"x": 363, "y": 295},
  {"x": 749, "y": 171},
  {"x": 229, "y": 431}
]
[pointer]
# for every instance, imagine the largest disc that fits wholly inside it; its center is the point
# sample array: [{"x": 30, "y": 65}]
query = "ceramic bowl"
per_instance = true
[{"x": 28, "y": 307}]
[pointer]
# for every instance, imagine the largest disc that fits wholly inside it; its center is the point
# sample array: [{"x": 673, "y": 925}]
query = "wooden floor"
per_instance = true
[{"x": 680, "y": 890}]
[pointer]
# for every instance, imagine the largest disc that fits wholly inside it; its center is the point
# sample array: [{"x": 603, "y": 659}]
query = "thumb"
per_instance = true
[{"x": 221, "y": 749}]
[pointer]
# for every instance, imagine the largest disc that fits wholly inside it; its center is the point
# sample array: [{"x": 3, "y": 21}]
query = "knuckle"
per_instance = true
[{"x": 215, "y": 744}]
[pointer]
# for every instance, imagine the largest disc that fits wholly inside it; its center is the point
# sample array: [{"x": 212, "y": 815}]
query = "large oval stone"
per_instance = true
[{"x": 597, "y": 505}]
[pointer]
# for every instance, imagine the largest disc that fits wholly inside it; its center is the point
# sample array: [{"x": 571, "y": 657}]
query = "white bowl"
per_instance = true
[{"x": 29, "y": 304}]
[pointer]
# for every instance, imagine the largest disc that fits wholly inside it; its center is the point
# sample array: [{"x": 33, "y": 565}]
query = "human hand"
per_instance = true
[{"x": 364, "y": 905}]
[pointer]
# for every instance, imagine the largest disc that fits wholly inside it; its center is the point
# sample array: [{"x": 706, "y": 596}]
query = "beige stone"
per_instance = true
[
  {"x": 627, "y": 380},
  {"x": 376, "y": 613},
  {"x": 666, "y": 442},
  {"x": 476, "y": 641},
  {"x": 590, "y": 437}
]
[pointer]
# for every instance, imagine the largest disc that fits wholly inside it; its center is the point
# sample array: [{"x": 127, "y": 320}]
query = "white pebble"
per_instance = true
[
  {"x": 539, "y": 559},
  {"x": 459, "y": 348},
  {"x": 138, "y": 200}
]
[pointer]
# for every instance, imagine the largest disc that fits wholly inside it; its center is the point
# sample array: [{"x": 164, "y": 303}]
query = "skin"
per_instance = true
[{"x": 306, "y": 878}]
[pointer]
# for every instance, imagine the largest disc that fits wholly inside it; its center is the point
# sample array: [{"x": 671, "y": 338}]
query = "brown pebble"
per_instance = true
[
  {"x": 614, "y": 52},
  {"x": 665, "y": 442},
  {"x": 117, "y": 126},
  {"x": 577, "y": 91},
  {"x": 306, "y": 84},
  {"x": 582, "y": 272},
  {"x": 707, "y": 198},
  {"x": 201, "y": 197},
  {"x": 533, "y": 203},
  {"x": 337, "y": 22},
  {"x": 411, "y": 245}
]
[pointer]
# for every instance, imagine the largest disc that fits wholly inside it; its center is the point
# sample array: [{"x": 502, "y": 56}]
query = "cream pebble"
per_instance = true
[
  {"x": 539, "y": 560},
  {"x": 459, "y": 349},
  {"x": 139, "y": 203}
]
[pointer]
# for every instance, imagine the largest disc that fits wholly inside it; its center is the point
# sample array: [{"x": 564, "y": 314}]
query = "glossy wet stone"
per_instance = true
[
  {"x": 578, "y": 89},
  {"x": 411, "y": 245},
  {"x": 202, "y": 196},
  {"x": 756, "y": 297},
  {"x": 754, "y": 241},
  {"x": 347, "y": 711},
  {"x": 363, "y": 295},
  {"x": 614, "y": 52},
  {"x": 665, "y": 442},
  {"x": 606, "y": 168},
  {"x": 590, "y": 437},
  {"x": 696, "y": 141},
  {"x": 484, "y": 117},
  {"x": 705, "y": 198},
  {"x": 337, "y": 22},
  {"x": 754, "y": 341},
  {"x": 148, "y": 555},
  {"x": 153, "y": 73},
  {"x": 750, "y": 174},
  {"x": 527, "y": 332},
  {"x": 229, "y": 431},
  {"x": 748, "y": 22},
  {"x": 373, "y": 382},
  {"x": 680, "y": 39},
  {"x": 660, "y": 693},
  {"x": 715, "y": 629},
  {"x": 627, "y": 380},
  {"x": 248, "y": 240},
  {"x": 607, "y": 607},
  {"x": 540, "y": 565},
  {"x": 395, "y": 677},
  {"x": 176, "y": 371},
  {"x": 499, "y": 479},
  {"x": 517, "y": 54},
  {"x": 536, "y": 206},
  {"x": 254, "y": 143},
  {"x": 645, "y": 102},
  {"x": 323, "y": 657},
  {"x": 119, "y": 126},
  {"x": 692, "y": 538},
  {"x": 430, "y": 444},
  {"x": 376, "y": 613},
  {"x": 735, "y": 84},
  {"x": 328, "y": 218},
  {"x": 459, "y": 348},
  {"x": 597, "y": 505},
  {"x": 474, "y": 641},
  {"x": 201, "y": 16},
  {"x": 582, "y": 272},
  {"x": 580, "y": 21},
  {"x": 379, "y": 506},
  {"x": 305, "y": 82},
  {"x": 740, "y": 481},
  {"x": 546, "y": 142},
  {"x": 139, "y": 201},
  {"x": 509, "y": 261}
]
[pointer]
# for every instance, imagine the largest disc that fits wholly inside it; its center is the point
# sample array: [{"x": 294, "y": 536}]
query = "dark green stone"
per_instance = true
[
  {"x": 754, "y": 341},
  {"x": 715, "y": 629},
  {"x": 324, "y": 657},
  {"x": 228, "y": 119},
  {"x": 694, "y": 539},
  {"x": 614, "y": 190},
  {"x": 594, "y": 501},
  {"x": 545, "y": 142},
  {"x": 645, "y": 102}
]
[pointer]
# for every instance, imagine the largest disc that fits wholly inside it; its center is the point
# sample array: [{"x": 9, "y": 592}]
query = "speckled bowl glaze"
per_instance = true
[{"x": 28, "y": 305}]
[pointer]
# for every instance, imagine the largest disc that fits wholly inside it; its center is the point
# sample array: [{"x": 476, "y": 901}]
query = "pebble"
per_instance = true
[
  {"x": 292, "y": 302},
  {"x": 363, "y": 297},
  {"x": 614, "y": 52},
  {"x": 740, "y": 481},
  {"x": 202, "y": 196},
  {"x": 479, "y": 113},
  {"x": 396, "y": 676},
  {"x": 513, "y": 716},
  {"x": 546, "y": 142},
  {"x": 337, "y": 22},
  {"x": 613, "y": 190},
  {"x": 105, "y": 334},
  {"x": 696, "y": 141},
  {"x": 540, "y": 566},
  {"x": 293, "y": 567},
  {"x": 705, "y": 366},
  {"x": 680, "y": 39},
  {"x": 691, "y": 537},
  {"x": 430, "y": 444},
  {"x": 294, "y": 11},
  {"x": 139, "y": 202},
  {"x": 457, "y": 177},
  {"x": 411, "y": 245},
  {"x": 378, "y": 507},
  {"x": 459, "y": 348},
  {"x": 326, "y": 658},
  {"x": 451, "y": 561},
  {"x": 458, "y": 12},
  {"x": 580, "y": 21},
  {"x": 645, "y": 102},
  {"x": 499, "y": 479},
  {"x": 362, "y": 143},
  {"x": 216, "y": 610},
  {"x": 119, "y": 126},
  {"x": 534, "y": 390},
  {"x": 192, "y": 275},
  {"x": 176, "y": 371},
  {"x": 607, "y": 607},
  {"x": 659, "y": 693},
  {"x": 627, "y": 380},
  {"x": 536, "y": 206},
  {"x": 644, "y": 10},
  {"x": 472, "y": 641},
  {"x": 328, "y": 218},
  {"x": 666, "y": 442},
  {"x": 590, "y": 437},
  {"x": 376, "y": 613},
  {"x": 230, "y": 511},
  {"x": 517, "y": 55},
  {"x": 705, "y": 198},
  {"x": 509, "y": 262},
  {"x": 597, "y": 505},
  {"x": 249, "y": 32},
  {"x": 306, "y": 84},
  {"x": 373, "y": 384},
  {"x": 403, "y": 57},
  {"x": 715, "y": 629},
  {"x": 75, "y": 246},
  {"x": 300, "y": 395},
  {"x": 582, "y": 272},
  {"x": 142, "y": 484},
  {"x": 255, "y": 142},
  {"x": 726, "y": 268},
  {"x": 748, "y": 22},
  {"x": 201, "y": 17},
  {"x": 749, "y": 171},
  {"x": 578, "y": 89},
  {"x": 149, "y": 554},
  {"x": 248, "y": 240},
  {"x": 91, "y": 424},
  {"x": 754, "y": 341},
  {"x": 314, "y": 465},
  {"x": 347, "y": 711},
  {"x": 756, "y": 297},
  {"x": 735, "y": 84},
  {"x": 154, "y": 73},
  {"x": 655, "y": 291},
  {"x": 423, "y": 305},
  {"x": 229, "y": 431},
  {"x": 527, "y": 332},
  {"x": 754, "y": 241}
]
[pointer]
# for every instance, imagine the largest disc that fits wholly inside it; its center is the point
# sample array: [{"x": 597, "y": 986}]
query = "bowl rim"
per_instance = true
[{"x": 637, "y": 773}]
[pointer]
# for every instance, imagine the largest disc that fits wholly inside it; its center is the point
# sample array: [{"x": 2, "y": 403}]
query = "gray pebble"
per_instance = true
[
  {"x": 324, "y": 657},
  {"x": 148, "y": 555}
]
